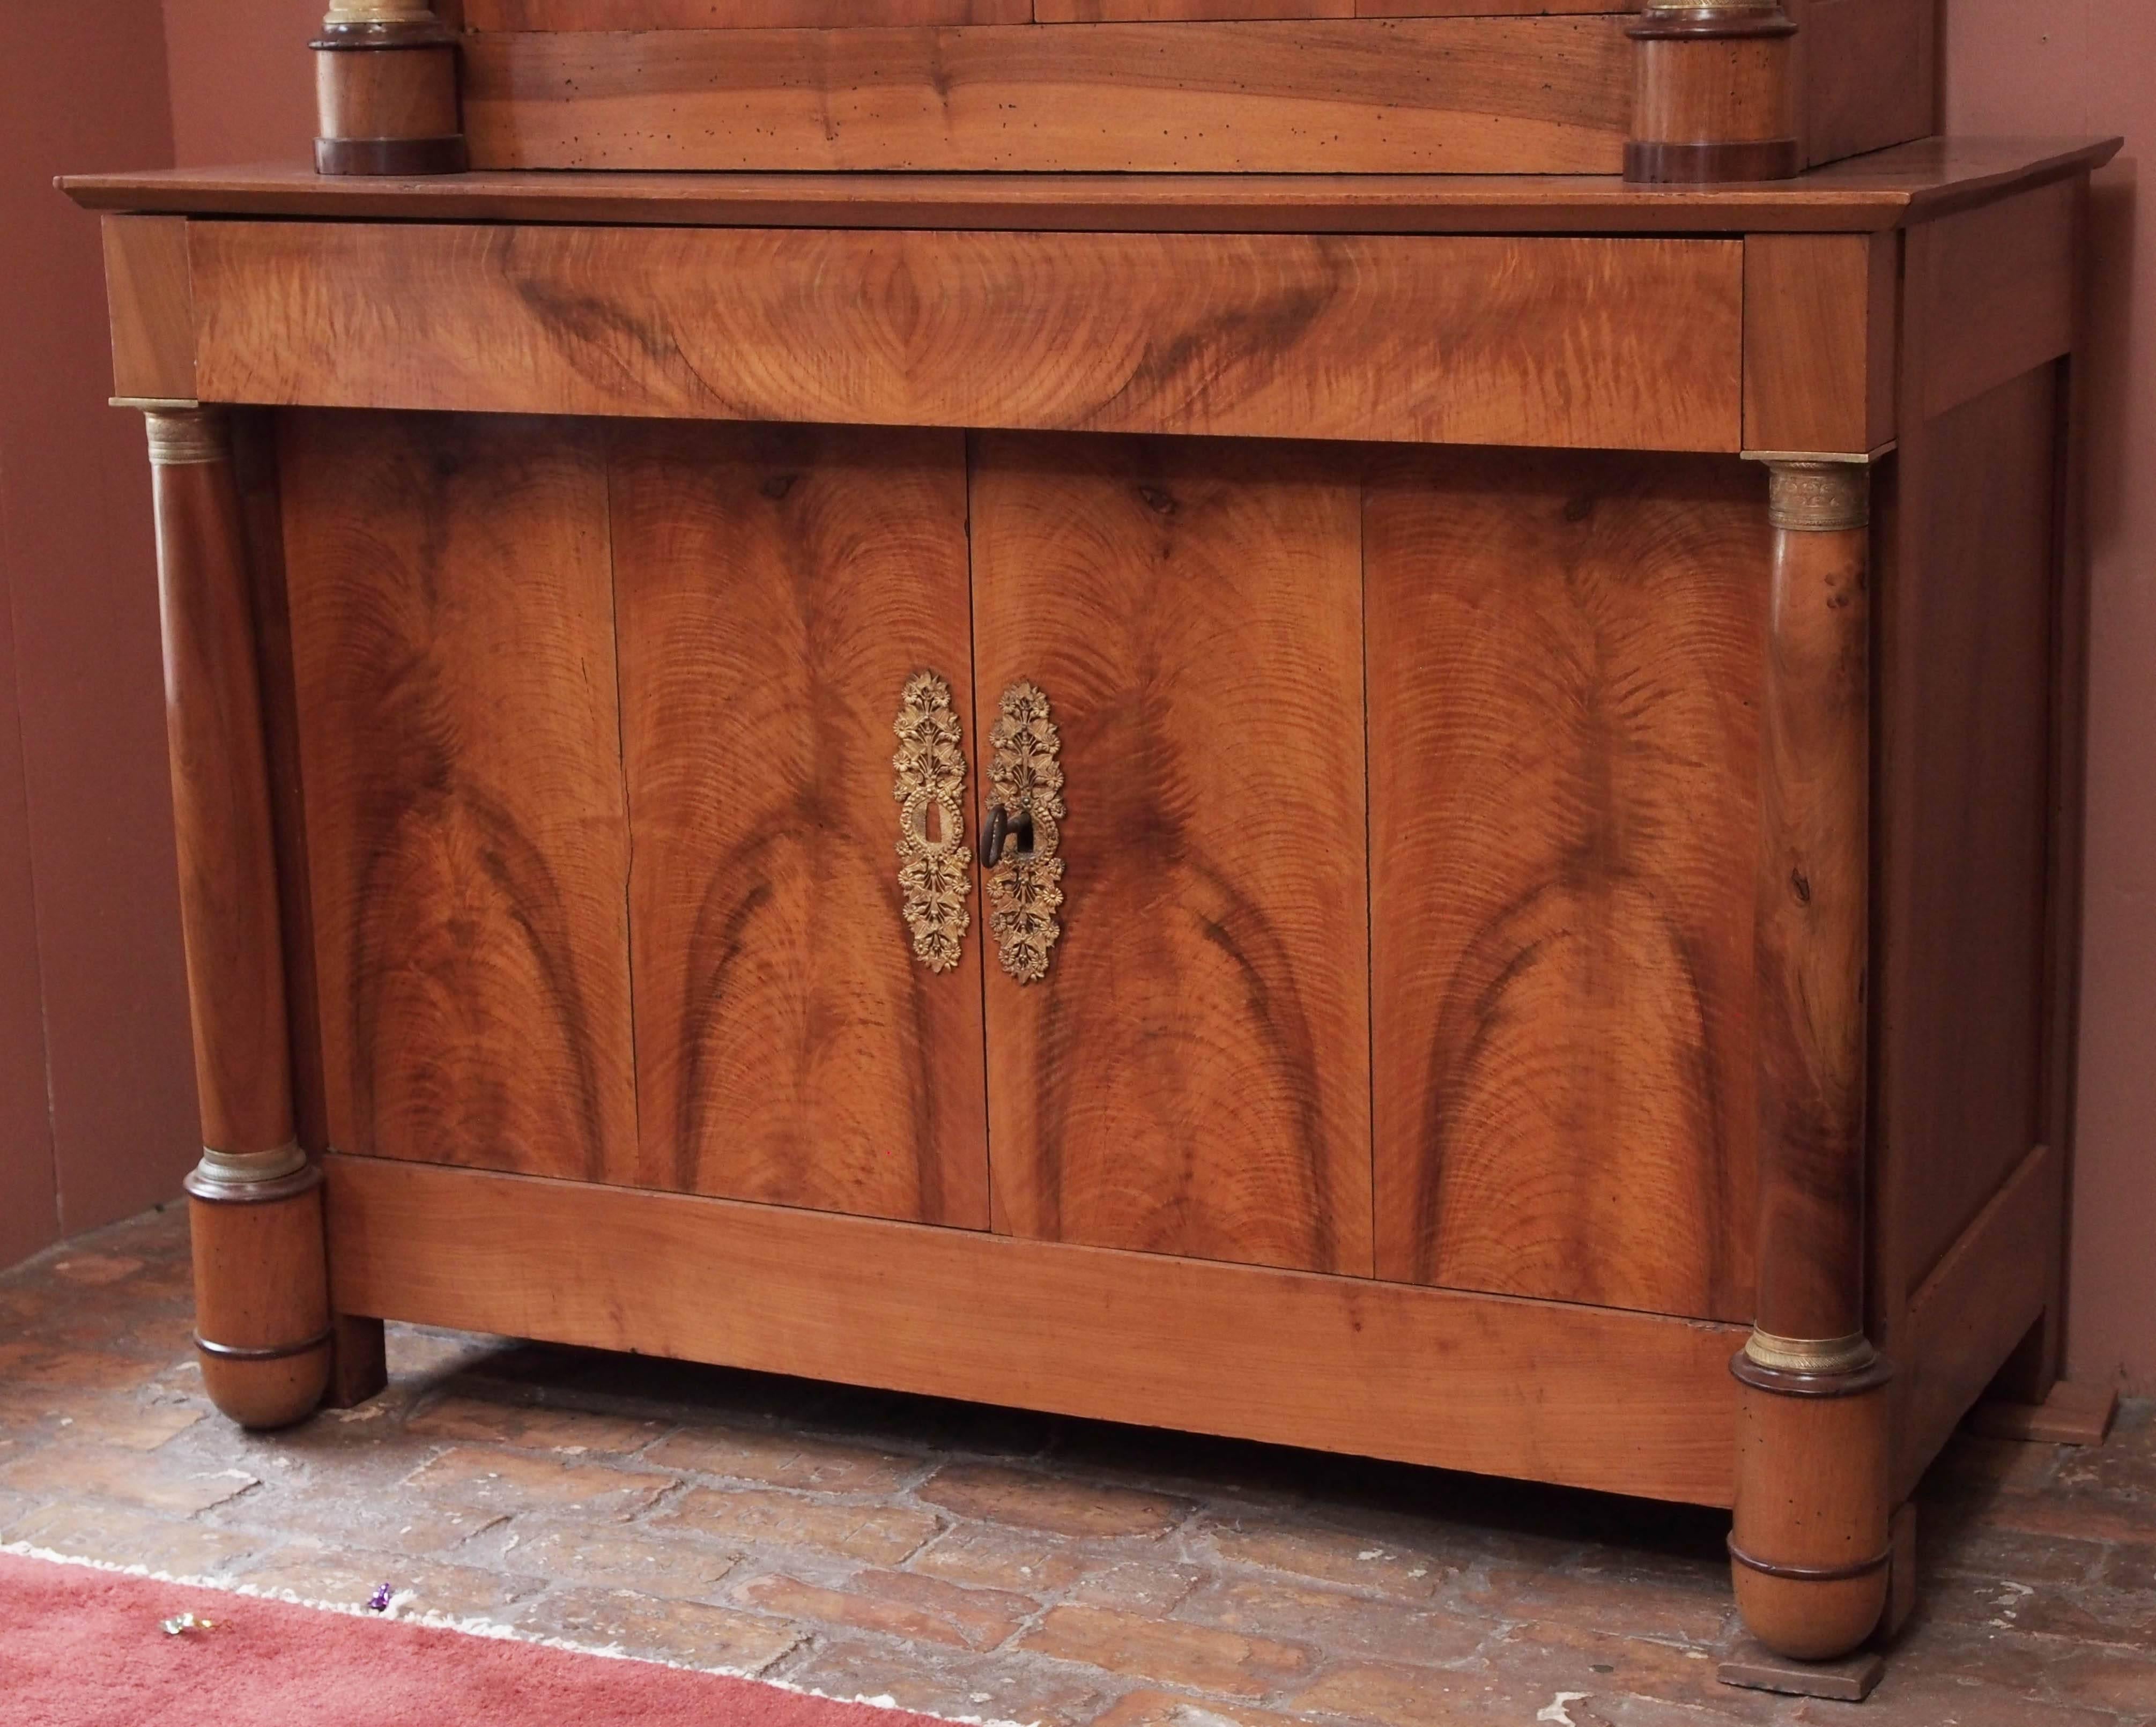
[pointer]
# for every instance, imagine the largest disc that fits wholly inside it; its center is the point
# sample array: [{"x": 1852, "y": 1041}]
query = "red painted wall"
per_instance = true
[
  {"x": 243, "y": 83},
  {"x": 96, "y": 1087},
  {"x": 2089, "y": 66}
]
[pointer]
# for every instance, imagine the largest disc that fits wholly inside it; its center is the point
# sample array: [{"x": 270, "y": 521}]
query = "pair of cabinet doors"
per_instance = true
[{"x": 1407, "y": 851}]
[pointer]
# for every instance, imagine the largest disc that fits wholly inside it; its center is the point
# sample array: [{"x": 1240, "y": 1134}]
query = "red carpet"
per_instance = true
[{"x": 82, "y": 1647}]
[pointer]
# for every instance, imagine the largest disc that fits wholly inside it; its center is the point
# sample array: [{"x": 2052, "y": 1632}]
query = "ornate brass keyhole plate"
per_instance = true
[
  {"x": 1025, "y": 883},
  {"x": 934, "y": 867}
]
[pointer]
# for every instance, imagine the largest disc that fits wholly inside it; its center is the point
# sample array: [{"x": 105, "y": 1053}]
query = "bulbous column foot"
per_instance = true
[
  {"x": 1810, "y": 1546},
  {"x": 262, "y": 1313}
]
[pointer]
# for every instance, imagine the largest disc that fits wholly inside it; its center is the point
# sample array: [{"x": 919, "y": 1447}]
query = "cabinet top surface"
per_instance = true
[{"x": 1889, "y": 188}]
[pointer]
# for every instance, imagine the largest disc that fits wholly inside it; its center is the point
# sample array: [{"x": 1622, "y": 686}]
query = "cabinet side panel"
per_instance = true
[
  {"x": 453, "y": 641},
  {"x": 1869, "y": 76},
  {"x": 1193, "y": 1074},
  {"x": 1564, "y": 668},
  {"x": 1966, "y": 644},
  {"x": 778, "y": 588}
]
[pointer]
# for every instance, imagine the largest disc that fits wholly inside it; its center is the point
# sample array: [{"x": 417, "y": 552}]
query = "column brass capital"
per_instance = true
[
  {"x": 1819, "y": 494},
  {"x": 182, "y": 436}
]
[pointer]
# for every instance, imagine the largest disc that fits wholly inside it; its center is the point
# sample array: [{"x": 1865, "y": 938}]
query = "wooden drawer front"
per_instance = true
[
  {"x": 1549, "y": 95},
  {"x": 1565, "y": 657},
  {"x": 1581, "y": 342}
]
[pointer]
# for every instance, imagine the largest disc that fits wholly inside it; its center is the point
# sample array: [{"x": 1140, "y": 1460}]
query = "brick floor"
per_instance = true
[{"x": 989, "y": 1562}]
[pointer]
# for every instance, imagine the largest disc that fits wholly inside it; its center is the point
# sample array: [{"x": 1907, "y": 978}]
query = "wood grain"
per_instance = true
[
  {"x": 1995, "y": 291},
  {"x": 1820, "y": 341},
  {"x": 262, "y": 514},
  {"x": 1966, "y": 1316},
  {"x": 1447, "y": 95},
  {"x": 1867, "y": 74},
  {"x": 260, "y": 1283},
  {"x": 1193, "y": 1075},
  {"x": 1481, "y": 1382},
  {"x": 736, "y": 15},
  {"x": 2073, "y": 1412},
  {"x": 1812, "y": 1494},
  {"x": 2040, "y": 1367},
  {"x": 1563, "y": 670},
  {"x": 1813, "y": 942},
  {"x": 870, "y": 14},
  {"x": 388, "y": 93},
  {"x": 1560, "y": 342},
  {"x": 1708, "y": 90},
  {"x": 1871, "y": 193},
  {"x": 221, "y": 807},
  {"x": 1099, "y": 11},
  {"x": 1966, "y": 634},
  {"x": 777, "y": 587},
  {"x": 452, "y": 621},
  {"x": 152, "y": 306}
]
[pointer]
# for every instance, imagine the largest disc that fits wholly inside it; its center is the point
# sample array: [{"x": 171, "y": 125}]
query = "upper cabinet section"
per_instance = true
[
  {"x": 1283, "y": 96},
  {"x": 1282, "y": 86}
]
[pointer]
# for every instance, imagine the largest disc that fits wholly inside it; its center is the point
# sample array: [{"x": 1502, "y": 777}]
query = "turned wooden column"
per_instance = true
[
  {"x": 386, "y": 91},
  {"x": 1714, "y": 93},
  {"x": 1809, "y": 1547},
  {"x": 261, "y": 1311}
]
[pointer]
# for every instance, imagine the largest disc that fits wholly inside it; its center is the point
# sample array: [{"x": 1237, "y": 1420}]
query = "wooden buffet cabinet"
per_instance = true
[{"x": 1427, "y": 814}]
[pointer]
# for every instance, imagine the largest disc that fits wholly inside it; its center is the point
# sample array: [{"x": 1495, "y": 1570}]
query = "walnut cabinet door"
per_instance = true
[
  {"x": 1565, "y": 652},
  {"x": 598, "y": 729},
  {"x": 791, "y": 600},
  {"x": 1169, "y": 681},
  {"x": 1370, "y": 872},
  {"x": 467, "y": 842}
]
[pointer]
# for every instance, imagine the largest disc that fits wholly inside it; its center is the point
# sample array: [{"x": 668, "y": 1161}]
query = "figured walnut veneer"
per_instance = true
[{"x": 1559, "y": 832}]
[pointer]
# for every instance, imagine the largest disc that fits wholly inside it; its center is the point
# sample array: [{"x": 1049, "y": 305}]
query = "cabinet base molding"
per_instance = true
[
  {"x": 2073, "y": 1414},
  {"x": 1623, "y": 1402}
]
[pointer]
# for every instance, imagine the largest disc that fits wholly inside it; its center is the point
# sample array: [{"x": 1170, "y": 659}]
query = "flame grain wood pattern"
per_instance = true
[
  {"x": 1192, "y": 1076},
  {"x": 453, "y": 634},
  {"x": 1565, "y": 657},
  {"x": 1813, "y": 905},
  {"x": 780, "y": 588},
  {"x": 1600, "y": 343},
  {"x": 1447, "y": 95}
]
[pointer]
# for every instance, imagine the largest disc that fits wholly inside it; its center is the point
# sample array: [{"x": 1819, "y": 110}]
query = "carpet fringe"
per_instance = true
[{"x": 472, "y": 1627}]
